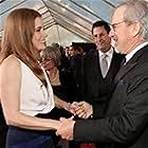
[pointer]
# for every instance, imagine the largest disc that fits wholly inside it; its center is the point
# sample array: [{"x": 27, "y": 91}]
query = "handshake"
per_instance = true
[
  {"x": 65, "y": 126},
  {"x": 81, "y": 109}
]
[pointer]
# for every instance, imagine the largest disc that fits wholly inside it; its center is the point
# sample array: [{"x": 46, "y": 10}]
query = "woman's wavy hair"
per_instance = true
[{"x": 17, "y": 39}]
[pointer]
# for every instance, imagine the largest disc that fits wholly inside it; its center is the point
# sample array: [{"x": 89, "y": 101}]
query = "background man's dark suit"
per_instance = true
[
  {"x": 128, "y": 109},
  {"x": 95, "y": 88}
]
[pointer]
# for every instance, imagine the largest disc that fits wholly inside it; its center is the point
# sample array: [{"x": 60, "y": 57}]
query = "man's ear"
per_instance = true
[{"x": 135, "y": 29}]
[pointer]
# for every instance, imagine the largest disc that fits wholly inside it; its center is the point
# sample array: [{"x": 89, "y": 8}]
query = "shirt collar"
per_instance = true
[
  {"x": 108, "y": 53},
  {"x": 130, "y": 55}
]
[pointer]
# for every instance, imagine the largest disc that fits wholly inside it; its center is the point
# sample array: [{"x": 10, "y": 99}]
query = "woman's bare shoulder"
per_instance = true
[{"x": 10, "y": 63}]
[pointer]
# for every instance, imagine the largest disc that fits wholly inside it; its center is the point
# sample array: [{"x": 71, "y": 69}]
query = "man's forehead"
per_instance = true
[
  {"x": 99, "y": 29},
  {"x": 118, "y": 14}
]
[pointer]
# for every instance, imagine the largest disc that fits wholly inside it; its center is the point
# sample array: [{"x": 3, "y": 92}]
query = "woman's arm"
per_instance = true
[
  {"x": 10, "y": 83},
  {"x": 61, "y": 103}
]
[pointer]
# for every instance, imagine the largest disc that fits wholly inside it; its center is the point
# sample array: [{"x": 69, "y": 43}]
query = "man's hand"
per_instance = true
[{"x": 82, "y": 109}]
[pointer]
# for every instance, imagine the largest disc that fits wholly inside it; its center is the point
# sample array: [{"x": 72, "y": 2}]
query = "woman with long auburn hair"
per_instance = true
[{"x": 25, "y": 91}]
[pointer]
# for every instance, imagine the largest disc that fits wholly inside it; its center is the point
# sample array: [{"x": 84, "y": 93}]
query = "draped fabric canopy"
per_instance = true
[{"x": 65, "y": 21}]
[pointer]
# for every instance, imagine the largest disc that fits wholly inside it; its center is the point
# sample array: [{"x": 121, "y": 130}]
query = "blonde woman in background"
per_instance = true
[{"x": 61, "y": 79}]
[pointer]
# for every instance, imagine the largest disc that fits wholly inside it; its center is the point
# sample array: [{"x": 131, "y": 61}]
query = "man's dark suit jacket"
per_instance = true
[
  {"x": 95, "y": 89},
  {"x": 126, "y": 122}
]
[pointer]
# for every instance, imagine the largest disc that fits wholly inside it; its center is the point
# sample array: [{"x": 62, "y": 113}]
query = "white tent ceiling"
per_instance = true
[{"x": 65, "y": 21}]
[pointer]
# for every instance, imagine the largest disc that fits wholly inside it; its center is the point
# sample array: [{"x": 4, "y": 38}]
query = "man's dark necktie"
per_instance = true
[{"x": 123, "y": 60}]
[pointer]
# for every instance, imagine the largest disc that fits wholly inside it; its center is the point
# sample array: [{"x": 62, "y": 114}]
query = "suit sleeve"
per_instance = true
[
  {"x": 123, "y": 127},
  {"x": 99, "y": 108}
]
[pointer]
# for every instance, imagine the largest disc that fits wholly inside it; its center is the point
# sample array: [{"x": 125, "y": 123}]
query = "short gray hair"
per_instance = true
[
  {"x": 53, "y": 53},
  {"x": 137, "y": 11}
]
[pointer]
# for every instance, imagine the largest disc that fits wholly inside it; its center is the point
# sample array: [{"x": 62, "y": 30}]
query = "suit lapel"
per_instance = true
[
  {"x": 130, "y": 64},
  {"x": 123, "y": 71},
  {"x": 112, "y": 65}
]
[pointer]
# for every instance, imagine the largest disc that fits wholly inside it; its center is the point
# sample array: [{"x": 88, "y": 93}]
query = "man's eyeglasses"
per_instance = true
[{"x": 114, "y": 25}]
